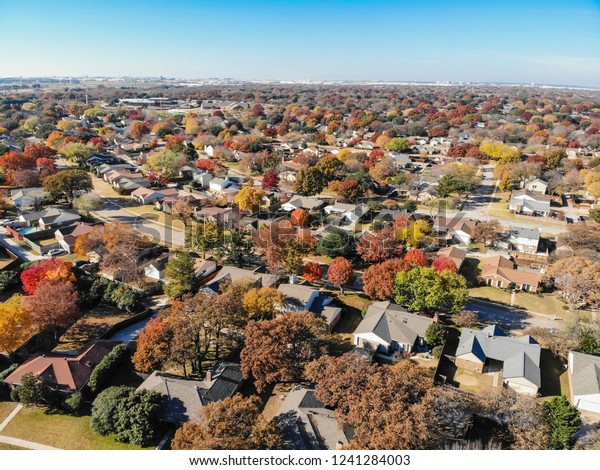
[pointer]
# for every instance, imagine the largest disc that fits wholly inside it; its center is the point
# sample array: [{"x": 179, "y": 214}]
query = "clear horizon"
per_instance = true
[{"x": 550, "y": 43}]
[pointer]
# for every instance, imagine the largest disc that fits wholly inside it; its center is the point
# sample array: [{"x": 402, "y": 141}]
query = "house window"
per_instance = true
[
  {"x": 526, "y": 287},
  {"x": 498, "y": 283}
]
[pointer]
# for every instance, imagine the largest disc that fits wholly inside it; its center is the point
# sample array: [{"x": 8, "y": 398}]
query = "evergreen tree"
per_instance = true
[{"x": 564, "y": 421}]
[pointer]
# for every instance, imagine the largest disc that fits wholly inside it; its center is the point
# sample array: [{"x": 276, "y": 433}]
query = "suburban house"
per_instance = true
[
  {"x": 457, "y": 229},
  {"x": 49, "y": 218},
  {"x": 184, "y": 398},
  {"x": 67, "y": 236},
  {"x": 499, "y": 271},
  {"x": 307, "y": 424},
  {"x": 525, "y": 240},
  {"x": 233, "y": 274},
  {"x": 351, "y": 213},
  {"x": 387, "y": 216},
  {"x": 311, "y": 204},
  {"x": 28, "y": 197},
  {"x": 537, "y": 185},
  {"x": 217, "y": 215},
  {"x": 7, "y": 258},
  {"x": 389, "y": 328},
  {"x": 149, "y": 196},
  {"x": 204, "y": 267},
  {"x": 455, "y": 254},
  {"x": 523, "y": 201},
  {"x": 217, "y": 186},
  {"x": 155, "y": 269},
  {"x": 202, "y": 178},
  {"x": 584, "y": 380},
  {"x": 491, "y": 350},
  {"x": 302, "y": 297},
  {"x": 63, "y": 372}
]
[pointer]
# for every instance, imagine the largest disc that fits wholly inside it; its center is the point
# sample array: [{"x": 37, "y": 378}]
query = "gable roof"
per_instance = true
[
  {"x": 391, "y": 322},
  {"x": 64, "y": 372},
  {"x": 233, "y": 273},
  {"x": 585, "y": 373},
  {"x": 455, "y": 254},
  {"x": 503, "y": 267}
]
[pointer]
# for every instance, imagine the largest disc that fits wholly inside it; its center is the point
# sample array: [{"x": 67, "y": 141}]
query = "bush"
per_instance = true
[
  {"x": 6, "y": 372},
  {"x": 32, "y": 390},
  {"x": 435, "y": 335},
  {"x": 465, "y": 319},
  {"x": 8, "y": 280},
  {"x": 75, "y": 403},
  {"x": 14, "y": 394},
  {"x": 125, "y": 298},
  {"x": 437, "y": 352},
  {"x": 4, "y": 389},
  {"x": 107, "y": 366}
]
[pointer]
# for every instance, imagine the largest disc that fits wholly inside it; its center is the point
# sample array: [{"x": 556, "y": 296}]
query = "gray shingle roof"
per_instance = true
[{"x": 585, "y": 373}]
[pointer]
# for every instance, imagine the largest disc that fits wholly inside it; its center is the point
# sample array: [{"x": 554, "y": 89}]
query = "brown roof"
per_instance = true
[
  {"x": 503, "y": 267},
  {"x": 466, "y": 225},
  {"x": 64, "y": 372},
  {"x": 455, "y": 254}
]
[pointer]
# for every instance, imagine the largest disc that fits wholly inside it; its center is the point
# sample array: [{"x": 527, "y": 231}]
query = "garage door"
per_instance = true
[{"x": 588, "y": 405}]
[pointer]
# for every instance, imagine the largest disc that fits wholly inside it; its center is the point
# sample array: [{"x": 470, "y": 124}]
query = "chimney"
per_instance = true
[
  {"x": 293, "y": 279},
  {"x": 208, "y": 375}
]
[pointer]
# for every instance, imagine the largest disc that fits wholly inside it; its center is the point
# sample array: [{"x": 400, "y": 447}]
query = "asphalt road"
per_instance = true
[{"x": 512, "y": 318}]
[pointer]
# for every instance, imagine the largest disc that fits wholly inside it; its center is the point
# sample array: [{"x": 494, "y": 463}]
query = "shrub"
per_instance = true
[
  {"x": 107, "y": 366},
  {"x": 8, "y": 280},
  {"x": 465, "y": 319},
  {"x": 435, "y": 335},
  {"x": 75, "y": 403},
  {"x": 32, "y": 390},
  {"x": 14, "y": 394},
  {"x": 437, "y": 352}
]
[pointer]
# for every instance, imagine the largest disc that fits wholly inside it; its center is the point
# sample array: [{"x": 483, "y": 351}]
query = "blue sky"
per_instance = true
[{"x": 503, "y": 41}]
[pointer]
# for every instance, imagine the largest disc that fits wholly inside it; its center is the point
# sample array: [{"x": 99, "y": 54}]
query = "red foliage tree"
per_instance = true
[
  {"x": 300, "y": 217},
  {"x": 312, "y": 272},
  {"x": 417, "y": 257},
  {"x": 443, "y": 263},
  {"x": 206, "y": 164},
  {"x": 340, "y": 273},
  {"x": 36, "y": 151},
  {"x": 53, "y": 304},
  {"x": 52, "y": 268},
  {"x": 96, "y": 142},
  {"x": 350, "y": 190},
  {"x": 438, "y": 131},
  {"x": 378, "y": 279},
  {"x": 270, "y": 132},
  {"x": 46, "y": 163},
  {"x": 539, "y": 159},
  {"x": 379, "y": 246},
  {"x": 138, "y": 129},
  {"x": 270, "y": 180},
  {"x": 376, "y": 154},
  {"x": 14, "y": 162},
  {"x": 152, "y": 349}
]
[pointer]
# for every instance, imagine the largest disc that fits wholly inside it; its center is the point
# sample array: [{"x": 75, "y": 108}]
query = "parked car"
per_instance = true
[
  {"x": 7, "y": 221},
  {"x": 56, "y": 252}
]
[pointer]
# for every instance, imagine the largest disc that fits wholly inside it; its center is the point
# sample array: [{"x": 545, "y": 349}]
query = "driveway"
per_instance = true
[{"x": 17, "y": 249}]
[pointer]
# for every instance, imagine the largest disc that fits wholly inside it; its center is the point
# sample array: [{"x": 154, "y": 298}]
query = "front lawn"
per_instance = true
[
  {"x": 353, "y": 307},
  {"x": 490, "y": 293},
  {"x": 6, "y": 408},
  {"x": 548, "y": 304},
  {"x": 61, "y": 431}
]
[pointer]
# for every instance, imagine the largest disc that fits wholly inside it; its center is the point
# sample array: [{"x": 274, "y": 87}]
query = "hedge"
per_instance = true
[{"x": 107, "y": 366}]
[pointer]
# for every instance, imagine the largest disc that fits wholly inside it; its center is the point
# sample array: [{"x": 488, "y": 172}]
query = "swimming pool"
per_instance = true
[{"x": 27, "y": 230}]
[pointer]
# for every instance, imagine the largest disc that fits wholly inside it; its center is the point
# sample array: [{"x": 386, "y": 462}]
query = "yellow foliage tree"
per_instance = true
[
  {"x": 16, "y": 324},
  {"x": 249, "y": 199},
  {"x": 500, "y": 151},
  {"x": 263, "y": 303}
]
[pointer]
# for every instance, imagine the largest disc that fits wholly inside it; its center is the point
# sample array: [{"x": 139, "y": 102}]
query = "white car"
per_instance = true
[
  {"x": 6, "y": 221},
  {"x": 56, "y": 252}
]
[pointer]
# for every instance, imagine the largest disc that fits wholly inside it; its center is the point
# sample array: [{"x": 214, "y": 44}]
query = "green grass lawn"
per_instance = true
[
  {"x": 61, "y": 431},
  {"x": 6, "y": 408},
  {"x": 490, "y": 293},
  {"x": 352, "y": 307},
  {"x": 549, "y": 304}
]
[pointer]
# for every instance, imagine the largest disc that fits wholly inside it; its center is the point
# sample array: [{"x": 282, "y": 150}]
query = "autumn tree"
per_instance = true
[
  {"x": 87, "y": 203},
  {"x": 350, "y": 190},
  {"x": 577, "y": 279},
  {"x": 179, "y": 275},
  {"x": 68, "y": 184},
  {"x": 416, "y": 257},
  {"x": 378, "y": 279},
  {"x": 249, "y": 199},
  {"x": 152, "y": 348},
  {"x": 443, "y": 263},
  {"x": 487, "y": 232},
  {"x": 340, "y": 273},
  {"x": 234, "y": 423},
  {"x": 329, "y": 166},
  {"x": 416, "y": 233},
  {"x": 379, "y": 246},
  {"x": 16, "y": 324},
  {"x": 263, "y": 303},
  {"x": 309, "y": 181},
  {"x": 300, "y": 217},
  {"x": 77, "y": 152},
  {"x": 312, "y": 272},
  {"x": 51, "y": 268},
  {"x": 166, "y": 162},
  {"x": 279, "y": 349},
  {"x": 270, "y": 181},
  {"x": 53, "y": 305},
  {"x": 422, "y": 289},
  {"x": 37, "y": 151}
]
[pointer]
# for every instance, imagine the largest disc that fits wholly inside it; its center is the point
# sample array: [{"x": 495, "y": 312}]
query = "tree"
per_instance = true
[
  {"x": 500, "y": 151},
  {"x": 466, "y": 319},
  {"x": 249, "y": 199},
  {"x": 577, "y": 279},
  {"x": 350, "y": 191},
  {"x": 487, "y": 232},
  {"x": 53, "y": 268},
  {"x": 152, "y": 349},
  {"x": 340, "y": 273},
  {"x": 77, "y": 151},
  {"x": 32, "y": 390},
  {"x": 422, "y": 289},
  {"x": 133, "y": 416},
  {"x": 595, "y": 215},
  {"x": 443, "y": 263},
  {"x": 339, "y": 378},
  {"x": 279, "y": 349},
  {"x": 38, "y": 151},
  {"x": 107, "y": 367},
  {"x": 183, "y": 210},
  {"x": 263, "y": 303},
  {"x": 16, "y": 324},
  {"x": 378, "y": 279},
  {"x": 235, "y": 423},
  {"x": 564, "y": 421},
  {"x": 26, "y": 178},
  {"x": 87, "y": 203},
  {"x": 416, "y": 257},
  {"x": 300, "y": 217},
  {"x": 166, "y": 162},
  {"x": 309, "y": 181},
  {"x": 554, "y": 158},
  {"x": 68, "y": 184},
  {"x": 435, "y": 335},
  {"x": 138, "y": 129},
  {"x": 179, "y": 275},
  {"x": 329, "y": 166},
  {"x": 270, "y": 180},
  {"x": 204, "y": 236},
  {"x": 286, "y": 257},
  {"x": 337, "y": 243},
  {"x": 397, "y": 144},
  {"x": 53, "y": 305},
  {"x": 415, "y": 233},
  {"x": 312, "y": 272},
  {"x": 379, "y": 246}
]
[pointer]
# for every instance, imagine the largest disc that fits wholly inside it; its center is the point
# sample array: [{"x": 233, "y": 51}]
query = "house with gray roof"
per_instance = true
[
  {"x": 491, "y": 350},
  {"x": 352, "y": 213},
  {"x": 307, "y": 424},
  {"x": 525, "y": 240},
  {"x": 301, "y": 297},
  {"x": 584, "y": 380},
  {"x": 389, "y": 328},
  {"x": 183, "y": 398},
  {"x": 233, "y": 274},
  {"x": 309, "y": 203},
  {"x": 28, "y": 197}
]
